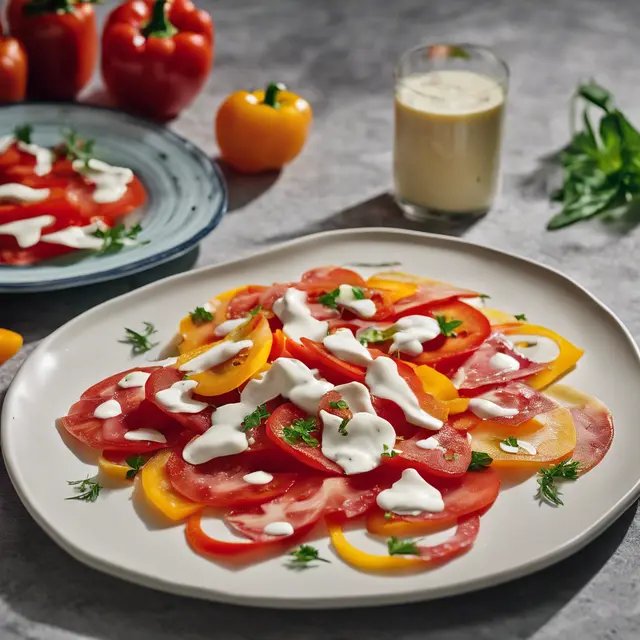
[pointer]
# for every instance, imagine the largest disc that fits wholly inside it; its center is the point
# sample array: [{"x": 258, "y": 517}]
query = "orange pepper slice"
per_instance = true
[
  {"x": 10, "y": 344},
  {"x": 393, "y": 290}
]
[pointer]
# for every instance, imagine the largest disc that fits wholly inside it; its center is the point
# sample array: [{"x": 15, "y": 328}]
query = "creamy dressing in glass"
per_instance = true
[
  {"x": 178, "y": 398},
  {"x": 109, "y": 409},
  {"x": 485, "y": 409},
  {"x": 14, "y": 192},
  {"x": 134, "y": 380},
  {"x": 411, "y": 495},
  {"x": 214, "y": 356},
  {"x": 538, "y": 349},
  {"x": 503, "y": 362},
  {"x": 411, "y": 332},
  {"x": 145, "y": 435},
  {"x": 296, "y": 317},
  {"x": 226, "y": 327},
  {"x": 110, "y": 182},
  {"x": 27, "y": 232},
  {"x": 365, "y": 308},
  {"x": 345, "y": 346},
  {"x": 258, "y": 477}
]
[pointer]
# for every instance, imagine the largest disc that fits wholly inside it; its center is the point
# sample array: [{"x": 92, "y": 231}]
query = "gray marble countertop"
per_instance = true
[{"x": 340, "y": 55}]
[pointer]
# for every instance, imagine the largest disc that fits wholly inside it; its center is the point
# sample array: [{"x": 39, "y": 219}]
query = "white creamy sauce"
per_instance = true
[
  {"x": 167, "y": 362},
  {"x": 411, "y": 495},
  {"x": 134, "y": 380},
  {"x": 360, "y": 449},
  {"x": 430, "y": 444},
  {"x": 110, "y": 182},
  {"x": 365, "y": 308},
  {"x": 522, "y": 444},
  {"x": 226, "y": 327},
  {"x": 178, "y": 398},
  {"x": 216, "y": 355},
  {"x": 27, "y": 232},
  {"x": 207, "y": 306},
  {"x": 14, "y": 192},
  {"x": 357, "y": 396},
  {"x": 411, "y": 332},
  {"x": 145, "y": 435},
  {"x": 6, "y": 142},
  {"x": 109, "y": 409},
  {"x": 385, "y": 382},
  {"x": 539, "y": 349},
  {"x": 76, "y": 237},
  {"x": 458, "y": 378},
  {"x": 345, "y": 346},
  {"x": 296, "y": 317},
  {"x": 503, "y": 362},
  {"x": 478, "y": 303},
  {"x": 44, "y": 157},
  {"x": 251, "y": 441},
  {"x": 279, "y": 529},
  {"x": 258, "y": 477},
  {"x": 485, "y": 409}
]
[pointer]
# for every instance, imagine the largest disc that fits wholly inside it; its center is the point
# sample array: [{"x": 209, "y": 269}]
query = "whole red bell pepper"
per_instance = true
[
  {"x": 13, "y": 69},
  {"x": 156, "y": 56},
  {"x": 61, "y": 40}
]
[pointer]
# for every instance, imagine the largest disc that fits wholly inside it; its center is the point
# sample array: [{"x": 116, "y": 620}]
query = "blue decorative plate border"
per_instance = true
[{"x": 202, "y": 178}]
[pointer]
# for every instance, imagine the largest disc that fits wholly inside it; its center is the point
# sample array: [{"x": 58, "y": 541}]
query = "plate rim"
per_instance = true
[
  {"x": 214, "y": 173},
  {"x": 568, "y": 548}
]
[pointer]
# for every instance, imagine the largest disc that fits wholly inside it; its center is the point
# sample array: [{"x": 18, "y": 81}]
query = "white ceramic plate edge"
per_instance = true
[{"x": 563, "y": 551}]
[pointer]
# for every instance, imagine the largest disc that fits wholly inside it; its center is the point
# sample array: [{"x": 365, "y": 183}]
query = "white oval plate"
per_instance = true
[{"x": 517, "y": 536}]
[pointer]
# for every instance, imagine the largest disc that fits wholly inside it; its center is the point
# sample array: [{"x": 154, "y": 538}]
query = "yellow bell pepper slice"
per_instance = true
[
  {"x": 566, "y": 360},
  {"x": 497, "y": 317},
  {"x": 402, "y": 276},
  {"x": 113, "y": 469},
  {"x": 457, "y": 405},
  {"x": 363, "y": 560},
  {"x": 231, "y": 374},
  {"x": 436, "y": 383},
  {"x": 158, "y": 490},
  {"x": 393, "y": 290},
  {"x": 10, "y": 344}
]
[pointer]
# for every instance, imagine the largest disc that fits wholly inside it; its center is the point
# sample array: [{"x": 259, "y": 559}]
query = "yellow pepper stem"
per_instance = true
[{"x": 271, "y": 94}]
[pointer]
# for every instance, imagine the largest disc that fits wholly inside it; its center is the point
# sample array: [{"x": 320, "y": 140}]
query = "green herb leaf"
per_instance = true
[
  {"x": 447, "y": 326},
  {"x": 388, "y": 515},
  {"x": 358, "y": 293},
  {"x": 301, "y": 430},
  {"x": 136, "y": 463},
  {"x": 253, "y": 419},
  {"x": 22, "y": 133},
  {"x": 76, "y": 148},
  {"x": 483, "y": 296},
  {"x": 116, "y": 238},
  {"x": 479, "y": 461},
  {"x": 342, "y": 429},
  {"x": 200, "y": 315},
  {"x": 88, "y": 489},
  {"x": 402, "y": 547},
  {"x": 521, "y": 317},
  {"x": 388, "y": 453},
  {"x": 329, "y": 299},
  {"x": 340, "y": 404},
  {"x": 376, "y": 335},
  {"x": 255, "y": 310},
  {"x": 547, "y": 490},
  {"x": 303, "y": 555},
  {"x": 140, "y": 342},
  {"x": 511, "y": 441}
]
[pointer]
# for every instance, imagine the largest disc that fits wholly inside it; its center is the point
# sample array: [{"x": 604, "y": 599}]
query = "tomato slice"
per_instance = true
[
  {"x": 231, "y": 374},
  {"x": 593, "y": 423},
  {"x": 246, "y": 299},
  {"x": 109, "y": 386},
  {"x": 219, "y": 483},
  {"x": 278, "y": 347},
  {"x": 310, "y": 456},
  {"x": 451, "y": 460},
  {"x": 329, "y": 278},
  {"x": 445, "y": 353},
  {"x": 473, "y": 492}
]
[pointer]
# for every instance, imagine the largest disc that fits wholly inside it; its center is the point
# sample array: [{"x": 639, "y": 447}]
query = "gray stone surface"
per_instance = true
[{"x": 340, "y": 55}]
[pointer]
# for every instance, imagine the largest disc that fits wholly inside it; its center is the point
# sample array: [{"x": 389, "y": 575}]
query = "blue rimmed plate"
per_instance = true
[{"x": 187, "y": 195}]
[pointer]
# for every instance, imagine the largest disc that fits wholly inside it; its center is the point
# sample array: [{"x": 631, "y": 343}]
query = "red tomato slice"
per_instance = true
[
  {"x": 445, "y": 353},
  {"x": 462, "y": 540},
  {"x": 305, "y": 503},
  {"x": 163, "y": 378},
  {"x": 242, "y": 303},
  {"x": 81, "y": 191},
  {"x": 219, "y": 483},
  {"x": 451, "y": 462},
  {"x": 594, "y": 435},
  {"x": 109, "y": 386},
  {"x": 310, "y": 456},
  {"x": 278, "y": 346},
  {"x": 478, "y": 375},
  {"x": 474, "y": 491},
  {"x": 329, "y": 278},
  {"x": 426, "y": 297}
]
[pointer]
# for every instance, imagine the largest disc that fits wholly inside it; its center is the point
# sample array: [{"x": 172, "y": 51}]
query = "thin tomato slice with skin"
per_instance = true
[
  {"x": 278, "y": 347},
  {"x": 109, "y": 386},
  {"x": 243, "y": 302},
  {"x": 309, "y": 455},
  {"x": 220, "y": 482},
  {"x": 451, "y": 459},
  {"x": 329, "y": 278},
  {"x": 473, "y": 492}
]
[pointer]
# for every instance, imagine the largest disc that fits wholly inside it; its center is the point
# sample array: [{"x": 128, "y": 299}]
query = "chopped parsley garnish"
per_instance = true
[
  {"x": 447, "y": 326},
  {"x": 136, "y": 463},
  {"x": 88, "y": 489},
  {"x": 253, "y": 419},
  {"x": 115, "y": 238},
  {"x": 301, "y": 430},
  {"x": 376, "y": 335},
  {"x": 22, "y": 133},
  {"x": 342, "y": 429},
  {"x": 76, "y": 148},
  {"x": 140, "y": 342},
  {"x": 565, "y": 470},
  {"x": 358, "y": 293},
  {"x": 200, "y": 315},
  {"x": 388, "y": 515},
  {"x": 388, "y": 453},
  {"x": 254, "y": 311},
  {"x": 521, "y": 317},
  {"x": 340, "y": 404},
  {"x": 483, "y": 296},
  {"x": 330, "y": 299},
  {"x": 479, "y": 461},
  {"x": 511, "y": 441},
  {"x": 303, "y": 555},
  {"x": 402, "y": 547}
]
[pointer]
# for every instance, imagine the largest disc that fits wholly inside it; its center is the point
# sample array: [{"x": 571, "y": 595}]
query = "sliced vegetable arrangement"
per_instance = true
[
  {"x": 395, "y": 401},
  {"x": 58, "y": 200}
]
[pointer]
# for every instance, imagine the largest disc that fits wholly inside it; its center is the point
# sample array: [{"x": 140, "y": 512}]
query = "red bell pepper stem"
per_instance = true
[
  {"x": 271, "y": 94},
  {"x": 159, "y": 26}
]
